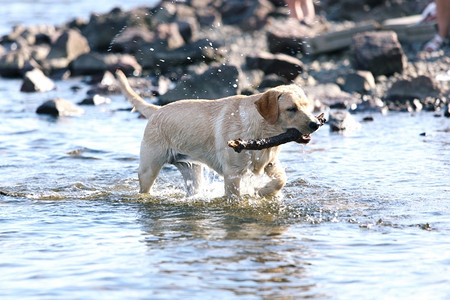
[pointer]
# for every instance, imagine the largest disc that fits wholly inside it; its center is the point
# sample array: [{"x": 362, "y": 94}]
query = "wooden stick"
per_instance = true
[{"x": 291, "y": 135}]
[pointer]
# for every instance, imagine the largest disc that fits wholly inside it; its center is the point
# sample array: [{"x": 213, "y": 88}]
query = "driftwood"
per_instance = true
[{"x": 291, "y": 135}]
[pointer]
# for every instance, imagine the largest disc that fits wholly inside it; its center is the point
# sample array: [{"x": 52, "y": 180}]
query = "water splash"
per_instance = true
[{"x": 111, "y": 44}]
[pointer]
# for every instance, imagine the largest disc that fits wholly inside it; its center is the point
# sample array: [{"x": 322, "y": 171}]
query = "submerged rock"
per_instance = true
[
  {"x": 341, "y": 120},
  {"x": 59, "y": 107}
]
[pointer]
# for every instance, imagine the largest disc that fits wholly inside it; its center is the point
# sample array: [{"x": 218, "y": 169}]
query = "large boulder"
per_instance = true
[
  {"x": 130, "y": 39},
  {"x": 103, "y": 28},
  {"x": 419, "y": 87},
  {"x": 16, "y": 63},
  {"x": 70, "y": 45},
  {"x": 359, "y": 81},
  {"x": 287, "y": 37},
  {"x": 36, "y": 81},
  {"x": 378, "y": 52},
  {"x": 331, "y": 95},
  {"x": 282, "y": 65},
  {"x": 88, "y": 64},
  {"x": 247, "y": 14},
  {"x": 214, "y": 83},
  {"x": 203, "y": 50}
]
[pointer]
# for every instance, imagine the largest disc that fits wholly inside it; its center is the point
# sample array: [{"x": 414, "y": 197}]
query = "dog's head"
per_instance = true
[{"x": 288, "y": 107}]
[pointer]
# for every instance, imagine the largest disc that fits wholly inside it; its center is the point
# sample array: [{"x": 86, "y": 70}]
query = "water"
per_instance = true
[{"x": 362, "y": 216}]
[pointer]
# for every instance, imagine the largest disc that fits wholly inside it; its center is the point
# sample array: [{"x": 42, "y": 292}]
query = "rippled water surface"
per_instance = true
[{"x": 363, "y": 216}]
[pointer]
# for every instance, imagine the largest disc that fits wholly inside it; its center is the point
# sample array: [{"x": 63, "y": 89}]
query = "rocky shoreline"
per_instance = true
[{"x": 211, "y": 49}]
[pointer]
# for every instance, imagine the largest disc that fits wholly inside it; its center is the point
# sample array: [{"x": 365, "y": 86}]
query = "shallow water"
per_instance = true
[{"x": 363, "y": 215}]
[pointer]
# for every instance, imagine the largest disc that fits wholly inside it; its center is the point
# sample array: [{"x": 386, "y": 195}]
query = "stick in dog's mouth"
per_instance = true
[{"x": 291, "y": 135}]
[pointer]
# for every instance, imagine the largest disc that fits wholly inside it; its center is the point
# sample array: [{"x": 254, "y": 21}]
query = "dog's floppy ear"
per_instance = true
[{"x": 267, "y": 106}]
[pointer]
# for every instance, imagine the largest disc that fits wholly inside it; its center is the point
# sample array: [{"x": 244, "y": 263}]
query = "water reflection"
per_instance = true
[{"x": 233, "y": 248}]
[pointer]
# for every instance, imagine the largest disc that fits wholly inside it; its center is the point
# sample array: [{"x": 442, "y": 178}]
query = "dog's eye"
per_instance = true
[{"x": 292, "y": 109}]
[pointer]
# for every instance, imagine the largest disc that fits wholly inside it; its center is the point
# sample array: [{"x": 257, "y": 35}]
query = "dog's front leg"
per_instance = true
[
  {"x": 232, "y": 185},
  {"x": 278, "y": 178}
]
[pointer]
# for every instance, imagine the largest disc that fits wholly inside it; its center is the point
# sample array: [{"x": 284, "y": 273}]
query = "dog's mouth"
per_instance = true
[
  {"x": 303, "y": 139},
  {"x": 297, "y": 136}
]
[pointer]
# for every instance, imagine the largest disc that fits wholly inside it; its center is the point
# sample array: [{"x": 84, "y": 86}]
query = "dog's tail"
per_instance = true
[{"x": 139, "y": 104}]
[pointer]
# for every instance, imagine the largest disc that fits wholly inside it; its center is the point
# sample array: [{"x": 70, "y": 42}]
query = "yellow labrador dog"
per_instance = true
[{"x": 189, "y": 133}]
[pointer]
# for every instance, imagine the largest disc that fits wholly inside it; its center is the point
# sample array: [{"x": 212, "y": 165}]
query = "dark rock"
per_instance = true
[
  {"x": 208, "y": 16},
  {"x": 188, "y": 29},
  {"x": 378, "y": 52},
  {"x": 342, "y": 120},
  {"x": 359, "y": 81},
  {"x": 59, "y": 107},
  {"x": 70, "y": 45},
  {"x": 106, "y": 78},
  {"x": 419, "y": 87},
  {"x": 95, "y": 100},
  {"x": 270, "y": 81},
  {"x": 247, "y": 14},
  {"x": 447, "y": 110},
  {"x": 216, "y": 82},
  {"x": 125, "y": 62},
  {"x": 287, "y": 37},
  {"x": 88, "y": 64},
  {"x": 330, "y": 95},
  {"x": 202, "y": 50},
  {"x": 102, "y": 28},
  {"x": 130, "y": 39},
  {"x": 16, "y": 63},
  {"x": 282, "y": 65},
  {"x": 370, "y": 104},
  {"x": 36, "y": 81}
]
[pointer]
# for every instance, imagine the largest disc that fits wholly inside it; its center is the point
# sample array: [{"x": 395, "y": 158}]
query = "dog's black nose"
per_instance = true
[{"x": 314, "y": 125}]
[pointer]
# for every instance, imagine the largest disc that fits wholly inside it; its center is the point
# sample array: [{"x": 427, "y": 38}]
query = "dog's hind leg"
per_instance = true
[{"x": 193, "y": 176}]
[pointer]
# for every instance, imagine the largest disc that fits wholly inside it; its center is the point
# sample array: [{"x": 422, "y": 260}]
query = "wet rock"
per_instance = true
[
  {"x": 208, "y": 16},
  {"x": 103, "y": 28},
  {"x": 95, "y": 100},
  {"x": 270, "y": 81},
  {"x": 130, "y": 39},
  {"x": 378, "y": 52},
  {"x": 359, "y": 81},
  {"x": 125, "y": 62},
  {"x": 419, "y": 87},
  {"x": 216, "y": 82},
  {"x": 370, "y": 104},
  {"x": 70, "y": 45},
  {"x": 330, "y": 95},
  {"x": 202, "y": 50},
  {"x": 88, "y": 64},
  {"x": 287, "y": 37},
  {"x": 447, "y": 110},
  {"x": 247, "y": 14},
  {"x": 59, "y": 107},
  {"x": 282, "y": 65},
  {"x": 188, "y": 29},
  {"x": 16, "y": 63},
  {"x": 341, "y": 120},
  {"x": 36, "y": 81}
]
